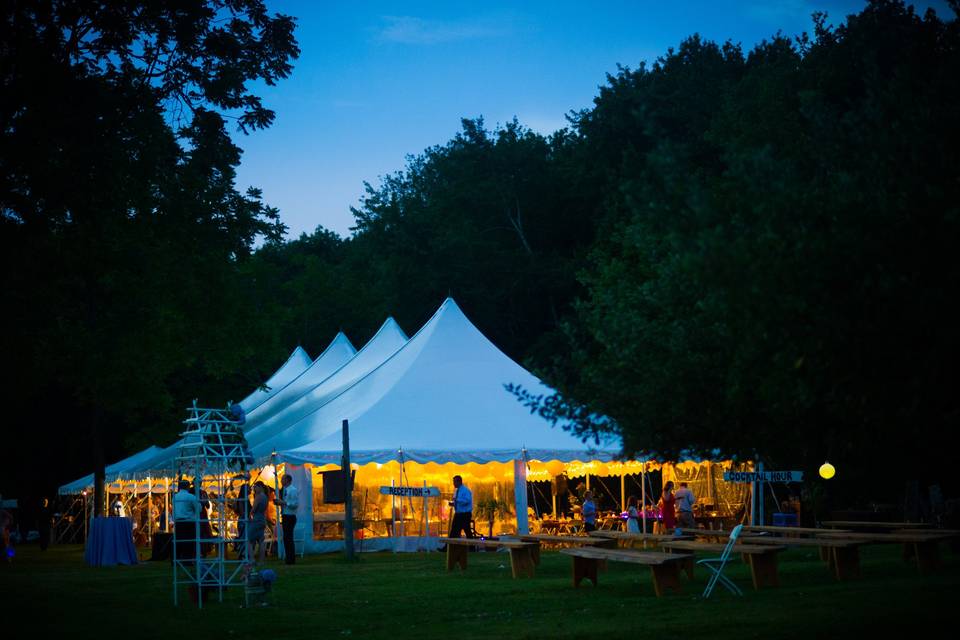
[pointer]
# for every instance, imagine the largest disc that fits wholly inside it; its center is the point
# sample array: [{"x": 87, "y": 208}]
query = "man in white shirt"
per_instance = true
[
  {"x": 290, "y": 501},
  {"x": 462, "y": 504},
  {"x": 685, "y": 500},
  {"x": 186, "y": 512}
]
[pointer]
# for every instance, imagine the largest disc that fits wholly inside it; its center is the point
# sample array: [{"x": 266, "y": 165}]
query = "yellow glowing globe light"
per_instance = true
[{"x": 827, "y": 471}]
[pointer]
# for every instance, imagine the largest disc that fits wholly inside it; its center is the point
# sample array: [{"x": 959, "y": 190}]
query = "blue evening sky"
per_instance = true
[{"x": 377, "y": 81}]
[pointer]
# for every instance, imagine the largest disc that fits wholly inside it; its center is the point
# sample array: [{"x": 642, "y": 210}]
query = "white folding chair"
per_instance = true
[{"x": 716, "y": 566}]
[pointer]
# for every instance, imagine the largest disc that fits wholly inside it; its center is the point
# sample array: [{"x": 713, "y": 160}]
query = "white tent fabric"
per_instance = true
[
  {"x": 266, "y": 437},
  {"x": 112, "y": 471},
  {"x": 441, "y": 398},
  {"x": 338, "y": 353},
  {"x": 294, "y": 366}
]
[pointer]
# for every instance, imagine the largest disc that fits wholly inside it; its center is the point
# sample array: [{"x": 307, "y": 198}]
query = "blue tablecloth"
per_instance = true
[{"x": 110, "y": 542}]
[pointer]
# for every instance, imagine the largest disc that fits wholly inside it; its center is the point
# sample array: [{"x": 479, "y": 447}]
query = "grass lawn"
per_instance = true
[{"x": 411, "y": 596}]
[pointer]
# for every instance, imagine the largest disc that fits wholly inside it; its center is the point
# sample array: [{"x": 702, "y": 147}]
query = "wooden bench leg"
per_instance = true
[
  {"x": 763, "y": 569},
  {"x": 535, "y": 554},
  {"x": 928, "y": 556},
  {"x": 666, "y": 576},
  {"x": 456, "y": 555},
  {"x": 688, "y": 565},
  {"x": 846, "y": 563},
  {"x": 521, "y": 562},
  {"x": 826, "y": 554},
  {"x": 584, "y": 568}
]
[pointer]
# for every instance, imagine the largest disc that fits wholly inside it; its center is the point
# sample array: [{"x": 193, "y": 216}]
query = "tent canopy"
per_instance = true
[
  {"x": 440, "y": 398},
  {"x": 338, "y": 352},
  {"x": 271, "y": 435},
  {"x": 294, "y": 366},
  {"x": 112, "y": 470}
]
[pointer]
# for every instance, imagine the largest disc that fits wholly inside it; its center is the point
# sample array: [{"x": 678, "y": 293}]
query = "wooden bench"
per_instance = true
[
  {"x": 577, "y": 541},
  {"x": 761, "y": 558},
  {"x": 521, "y": 553},
  {"x": 643, "y": 540},
  {"x": 842, "y": 556},
  {"x": 924, "y": 546},
  {"x": 864, "y": 524},
  {"x": 664, "y": 567},
  {"x": 792, "y": 531}
]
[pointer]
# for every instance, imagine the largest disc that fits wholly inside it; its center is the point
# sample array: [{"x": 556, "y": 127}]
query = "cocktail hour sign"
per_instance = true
[
  {"x": 763, "y": 476},
  {"x": 411, "y": 492}
]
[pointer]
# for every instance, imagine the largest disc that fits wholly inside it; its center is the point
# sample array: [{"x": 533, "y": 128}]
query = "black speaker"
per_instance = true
[
  {"x": 559, "y": 485},
  {"x": 334, "y": 491},
  {"x": 161, "y": 546}
]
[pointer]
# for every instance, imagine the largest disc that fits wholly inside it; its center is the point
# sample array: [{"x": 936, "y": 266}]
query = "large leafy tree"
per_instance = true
[
  {"x": 121, "y": 224},
  {"x": 776, "y": 282}
]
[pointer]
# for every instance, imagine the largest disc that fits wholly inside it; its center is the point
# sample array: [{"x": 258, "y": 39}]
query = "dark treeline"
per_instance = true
[{"x": 745, "y": 251}]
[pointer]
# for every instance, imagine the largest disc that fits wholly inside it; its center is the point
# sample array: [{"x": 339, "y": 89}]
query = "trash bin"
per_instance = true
[{"x": 784, "y": 519}]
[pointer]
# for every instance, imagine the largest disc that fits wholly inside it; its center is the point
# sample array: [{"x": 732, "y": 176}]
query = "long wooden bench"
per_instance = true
[
  {"x": 882, "y": 526},
  {"x": 761, "y": 558},
  {"x": 924, "y": 546},
  {"x": 521, "y": 553},
  {"x": 664, "y": 567},
  {"x": 842, "y": 556},
  {"x": 792, "y": 531},
  {"x": 576, "y": 541},
  {"x": 643, "y": 540}
]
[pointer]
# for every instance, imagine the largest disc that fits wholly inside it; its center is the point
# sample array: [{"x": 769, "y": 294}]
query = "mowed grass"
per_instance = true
[{"x": 412, "y": 596}]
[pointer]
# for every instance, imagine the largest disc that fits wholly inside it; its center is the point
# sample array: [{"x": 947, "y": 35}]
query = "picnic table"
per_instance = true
[
  {"x": 799, "y": 531},
  {"x": 842, "y": 555},
  {"x": 762, "y": 558},
  {"x": 646, "y": 540},
  {"x": 521, "y": 553},
  {"x": 924, "y": 546},
  {"x": 664, "y": 567},
  {"x": 578, "y": 541},
  {"x": 864, "y": 524}
]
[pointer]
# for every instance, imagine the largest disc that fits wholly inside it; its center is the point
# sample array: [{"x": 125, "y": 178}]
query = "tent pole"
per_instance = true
[
  {"x": 276, "y": 494},
  {"x": 393, "y": 514},
  {"x": 623, "y": 491},
  {"x": 348, "y": 492},
  {"x": 149, "y": 509},
  {"x": 166, "y": 505},
  {"x": 643, "y": 496},
  {"x": 520, "y": 494},
  {"x": 426, "y": 513}
]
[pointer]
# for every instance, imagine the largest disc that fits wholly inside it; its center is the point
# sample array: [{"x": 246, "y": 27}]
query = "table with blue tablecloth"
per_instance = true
[{"x": 110, "y": 542}]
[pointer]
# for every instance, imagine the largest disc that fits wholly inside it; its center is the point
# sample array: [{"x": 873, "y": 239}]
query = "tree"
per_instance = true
[
  {"x": 121, "y": 230},
  {"x": 777, "y": 282}
]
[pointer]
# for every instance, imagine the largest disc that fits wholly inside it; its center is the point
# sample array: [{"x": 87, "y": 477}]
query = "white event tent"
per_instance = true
[
  {"x": 420, "y": 410},
  {"x": 112, "y": 471}
]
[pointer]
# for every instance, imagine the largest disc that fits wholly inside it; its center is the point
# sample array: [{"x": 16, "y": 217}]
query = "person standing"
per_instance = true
[
  {"x": 685, "y": 501},
  {"x": 258, "y": 522},
  {"x": 633, "y": 515},
  {"x": 462, "y": 504},
  {"x": 289, "y": 501},
  {"x": 668, "y": 508},
  {"x": 589, "y": 512},
  {"x": 186, "y": 513},
  {"x": 43, "y": 523}
]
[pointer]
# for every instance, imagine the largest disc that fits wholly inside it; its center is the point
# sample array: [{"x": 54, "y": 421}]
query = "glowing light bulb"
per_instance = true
[{"x": 827, "y": 471}]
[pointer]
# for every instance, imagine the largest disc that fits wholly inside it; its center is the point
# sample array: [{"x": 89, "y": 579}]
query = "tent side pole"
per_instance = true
[
  {"x": 623, "y": 491},
  {"x": 520, "y": 496},
  {"x": 643, "y": 495},
  {"x": 149, "y": 509}
]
